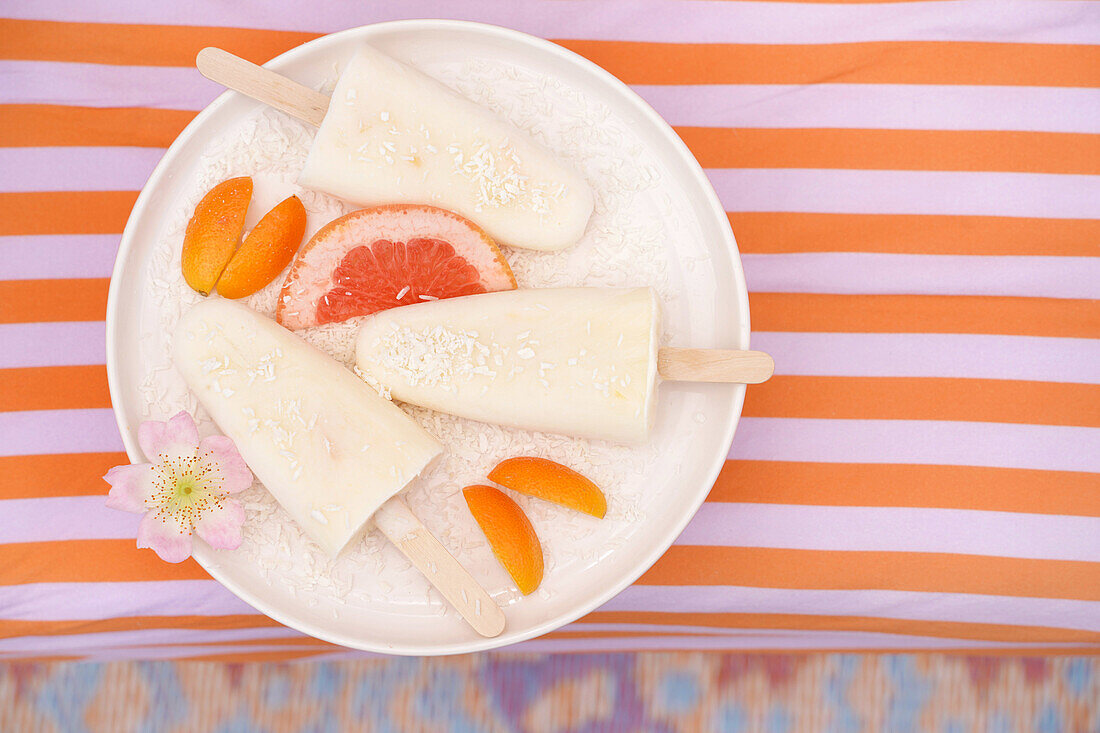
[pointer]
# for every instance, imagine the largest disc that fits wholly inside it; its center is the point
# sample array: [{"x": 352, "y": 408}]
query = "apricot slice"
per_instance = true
[
  {"x": 510, "y": 534},
  {"x": 214, "y": 231},
  {"x": 552, "y": 481},
  {"x": 267, "y": 249}
]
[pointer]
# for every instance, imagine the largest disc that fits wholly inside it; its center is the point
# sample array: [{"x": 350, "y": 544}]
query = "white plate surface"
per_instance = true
[{"x": 713, "y": 314}]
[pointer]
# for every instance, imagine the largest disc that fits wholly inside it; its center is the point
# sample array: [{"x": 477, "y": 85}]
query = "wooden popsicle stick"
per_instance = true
[
  {"x": 409, "y": 535},
  {"x": 263, "y": 85},
  {"x": 684, "y": 365},
  {"x": 714, "y": 365}
]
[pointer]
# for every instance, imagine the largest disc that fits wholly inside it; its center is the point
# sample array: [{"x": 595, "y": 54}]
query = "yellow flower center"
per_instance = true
[{"x": 184, "y": 487}]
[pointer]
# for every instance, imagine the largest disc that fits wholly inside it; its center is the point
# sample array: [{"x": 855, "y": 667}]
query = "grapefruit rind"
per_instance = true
[{"x": 312, "y": 275}]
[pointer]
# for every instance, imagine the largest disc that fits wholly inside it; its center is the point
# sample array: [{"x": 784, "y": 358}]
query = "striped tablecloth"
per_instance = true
[{"x": 914, "y": 189}]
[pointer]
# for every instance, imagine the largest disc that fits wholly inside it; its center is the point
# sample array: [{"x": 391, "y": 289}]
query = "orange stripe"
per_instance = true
[
  {"x": 898, "y": 62},
  {"x": 912, "y": 398},
  {"x": 137, "y": 45},
  {"x": 33, "y": 301},
  {"x": 909, "y": 627},
  {"x": 106, "y": 212},
  {"x": 54, "y": 388},
  {"x": 102, "y": 561},
  {"x": 884, "y": 62},
  {"x": 925, "y": 314},
  {"x": 65, "y": 212},
  {"x": 780, "y": 232},
  {"x": 766, "y": 482},
  {"x": 73, "y": 474},
  {"x": 927, "y": 572},
  {"x": 860, "y": 398},
  {"x": 50, "y": 125},
  {"x": 119, "y": 560},
  {"x": 85, "y": 300},
  {"x": 902, "y": 485},
  {"x": 916, "y": 150},
  {"x": 13, "y": 628},
  {"x": 42, "y": 125}
]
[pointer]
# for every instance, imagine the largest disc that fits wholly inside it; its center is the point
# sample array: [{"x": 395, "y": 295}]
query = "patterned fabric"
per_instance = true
[
  {"x": 914, "y": 190},
  {"x": 663, "y": 693}
]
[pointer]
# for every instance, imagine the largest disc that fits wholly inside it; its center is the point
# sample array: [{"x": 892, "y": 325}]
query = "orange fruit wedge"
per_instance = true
[
  {"x": 510, "y": 534},
  {"x": 267, "y": 249},
  {"x": 214, "y": 231},
  {"x": 552, "y": 481},
  {"x": 388, "y": 256}
]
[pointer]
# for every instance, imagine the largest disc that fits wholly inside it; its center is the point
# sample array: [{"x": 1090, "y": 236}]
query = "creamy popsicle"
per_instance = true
[
  {"x": 578, "y": 361},
  {"x": 394, "y": 135},
  {"x": 328, "y": 448}
]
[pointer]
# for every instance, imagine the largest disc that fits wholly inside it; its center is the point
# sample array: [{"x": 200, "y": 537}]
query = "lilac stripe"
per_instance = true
[
  {"x": 98, "y": 85},
  {"x": 662, "y": 628},
  {"x": 133, "y": 644},
  {"x": 58, "y": 431},
  {"x": 882, "y": 106},
  {"x": 960, "y": 607},
  {"x": 823, "y": 354},
  {"x": 972, "y": 356},
  {"x": 860, "y": 272},
  {"x": 64, "y": 518},
  {"x": 773, "y": 640},
  {"x": 1041, "y": 195},
  {"x": 1048, "y": 447},
  {"x": 1000, "y": 534},
  {"x": 68, "y": 601},
  {"x": 82, "y": 169},
  {"x": 1004, "y": 534},
  {"x": 94, "y": 642},
  {"x": 143, "y": 637},
  {"x": 57, "y": 256},
  {"x": 159, "y": 652},
  {"x": 52, "y": 344},
  {"x": 639, "y": 20},
  {"x": 901, "y": 106}
]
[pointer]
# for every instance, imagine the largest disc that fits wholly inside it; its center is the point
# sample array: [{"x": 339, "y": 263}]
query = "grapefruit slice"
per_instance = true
[{"x": 389, "y": 256}]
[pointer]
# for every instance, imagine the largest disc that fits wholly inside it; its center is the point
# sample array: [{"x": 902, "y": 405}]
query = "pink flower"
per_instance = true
[{"x": 185, "y": 488}]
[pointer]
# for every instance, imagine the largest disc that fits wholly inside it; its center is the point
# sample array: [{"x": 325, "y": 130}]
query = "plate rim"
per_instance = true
[{"x": 648, "y": 559}]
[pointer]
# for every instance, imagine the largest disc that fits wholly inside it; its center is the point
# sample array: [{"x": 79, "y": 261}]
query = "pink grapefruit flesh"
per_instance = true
[{"x": 385, "y": 257}]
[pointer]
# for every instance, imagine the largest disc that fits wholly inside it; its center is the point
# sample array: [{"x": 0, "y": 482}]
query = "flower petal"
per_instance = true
[
  {"x": 220, "y": 455},
  {"x": 179, "y": 434},
  {"x": 131, "y": 486},
  {"x": 221, "y": 526},
  {"x": 164, "y": 534}
]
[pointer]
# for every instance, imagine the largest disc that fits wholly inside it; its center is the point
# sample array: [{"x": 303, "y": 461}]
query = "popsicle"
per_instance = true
[
  {"x": 391, "y": 134},
  {"x": 329, "y": 449},
  {"x": 576, "y": 361}
]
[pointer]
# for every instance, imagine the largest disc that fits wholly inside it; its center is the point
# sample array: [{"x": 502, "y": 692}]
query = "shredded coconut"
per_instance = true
[{"x": 626, "y": 244}]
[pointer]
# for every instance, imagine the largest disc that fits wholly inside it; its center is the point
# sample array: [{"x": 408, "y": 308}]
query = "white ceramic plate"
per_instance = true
[{"x": 715, "y": 314}]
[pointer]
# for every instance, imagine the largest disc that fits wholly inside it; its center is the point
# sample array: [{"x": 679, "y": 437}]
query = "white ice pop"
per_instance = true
[
  {"x": 395, "y": 135},
  {"x": 578, "y": 361},
  {"x": 324, "y": 444}
]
